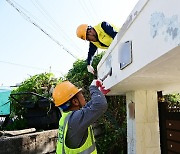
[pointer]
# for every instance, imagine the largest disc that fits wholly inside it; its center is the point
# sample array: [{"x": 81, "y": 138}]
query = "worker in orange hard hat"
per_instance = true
[
  {"x": 75, "y": 134},
  {"x": 99, "y": 36}
]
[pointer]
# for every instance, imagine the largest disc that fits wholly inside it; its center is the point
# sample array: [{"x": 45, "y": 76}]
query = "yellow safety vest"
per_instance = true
[
  {"x": 88, "y": 147},
  {"x": 103, "y": 37}
]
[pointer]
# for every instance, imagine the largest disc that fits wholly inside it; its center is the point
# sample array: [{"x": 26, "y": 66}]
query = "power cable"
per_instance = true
[
  {"x": 48, "y": 16},
  {"x": 35, "y": 24},
  {"x": 32, "y": 67},
  {"x": 93, "y": 10},
  {"x": 32, "y": 16},
  {"x": 85, "y": 8}
]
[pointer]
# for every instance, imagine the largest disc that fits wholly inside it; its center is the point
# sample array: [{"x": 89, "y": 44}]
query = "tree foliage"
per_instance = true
[
  {"x": 79, "y": 75},
  {"x": 40, "y": 84},
  {"x": 174, "y": 98}
]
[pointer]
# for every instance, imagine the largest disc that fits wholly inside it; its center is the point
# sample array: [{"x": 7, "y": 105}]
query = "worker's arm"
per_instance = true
[
  {"x": 108, "y": 29},
  {"x": 80, "y": 120},
  {"x": 92, "y": 50},
  {"x": 91, "y": 111}
]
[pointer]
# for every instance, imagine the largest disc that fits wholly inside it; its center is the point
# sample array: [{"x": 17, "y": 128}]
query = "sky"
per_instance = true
[{"x": 40, "y": 35}]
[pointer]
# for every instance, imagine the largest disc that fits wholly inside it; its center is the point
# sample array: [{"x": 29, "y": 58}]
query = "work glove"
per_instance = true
[
  {"x": 99, "y": 84},
  {"x": 90, "y": 69},
  {"x": 103, "y": 90}
]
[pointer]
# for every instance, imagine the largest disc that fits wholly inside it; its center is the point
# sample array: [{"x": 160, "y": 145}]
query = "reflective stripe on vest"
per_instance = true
[
  {"x": 91, "y": 148},
  {"x": 60, "y": 143},
  {"x": 87, "y": 148}
]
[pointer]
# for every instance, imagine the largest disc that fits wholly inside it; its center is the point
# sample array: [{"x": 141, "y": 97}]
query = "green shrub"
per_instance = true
[{"x": 40, "y": 84}]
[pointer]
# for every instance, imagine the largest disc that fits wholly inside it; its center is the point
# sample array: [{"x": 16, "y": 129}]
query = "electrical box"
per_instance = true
[{"x": 125, "y": 54}]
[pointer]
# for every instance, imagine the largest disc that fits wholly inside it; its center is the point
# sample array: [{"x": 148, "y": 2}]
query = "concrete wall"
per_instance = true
[
  {"x": 35, "y": 143},
  {"x": 143, "y": 127}
]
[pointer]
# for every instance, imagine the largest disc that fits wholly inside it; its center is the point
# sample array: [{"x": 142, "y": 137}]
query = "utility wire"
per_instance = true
[
  {"x": 86, "y": 10},
  {"x": 89, "y": 11},
  {"x": 35, "y": 24},
  {"x": 32, "y": 67},
  {"x": 32, "y": 16},
  {"x": 49, "y": 18},
  {"x": 94, "y": 11}
]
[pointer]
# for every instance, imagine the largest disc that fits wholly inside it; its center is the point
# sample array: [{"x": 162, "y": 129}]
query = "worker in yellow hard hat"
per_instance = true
[
  {"x": 75, "y": 134},
  {"x": 99, "y": 36}
]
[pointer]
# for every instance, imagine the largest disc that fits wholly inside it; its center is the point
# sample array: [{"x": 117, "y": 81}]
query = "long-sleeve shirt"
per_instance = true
[
  {"x": 92, "y": 48},
  {"x": 80, "y": 120}
]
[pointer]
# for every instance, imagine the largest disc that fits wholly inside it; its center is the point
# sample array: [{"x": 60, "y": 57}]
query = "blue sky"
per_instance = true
[{"x": 25, "y": 50}]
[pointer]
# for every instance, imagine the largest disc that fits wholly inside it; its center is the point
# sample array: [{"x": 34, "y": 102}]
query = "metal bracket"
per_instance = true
[{"x": 108, "y": 74}]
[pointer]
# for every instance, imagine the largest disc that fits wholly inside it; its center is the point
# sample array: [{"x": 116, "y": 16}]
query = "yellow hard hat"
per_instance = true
[
  {"x": 81, "y": 31},
  {"x": 63, "y": 92}
]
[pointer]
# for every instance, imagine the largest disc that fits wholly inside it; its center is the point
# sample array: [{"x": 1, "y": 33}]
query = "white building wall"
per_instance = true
[{"x": 154, "y": 32}]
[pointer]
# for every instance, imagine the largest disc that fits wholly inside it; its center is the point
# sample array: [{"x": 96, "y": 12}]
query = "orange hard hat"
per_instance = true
[
  {"x": 81, "y": 31},
  {"x": 63, "y": 92}
]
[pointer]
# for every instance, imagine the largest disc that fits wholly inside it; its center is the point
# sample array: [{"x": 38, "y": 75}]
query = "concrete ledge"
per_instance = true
[
  {"x": 35, "y": 143},
  {"x": 17, "y": 132}
]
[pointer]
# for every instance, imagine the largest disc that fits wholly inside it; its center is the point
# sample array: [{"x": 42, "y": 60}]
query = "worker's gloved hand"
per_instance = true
[
  {"x": 103, "y": 90},
  {"x": 90, "y": 69},
  {"x": 97, "y": 83}
]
